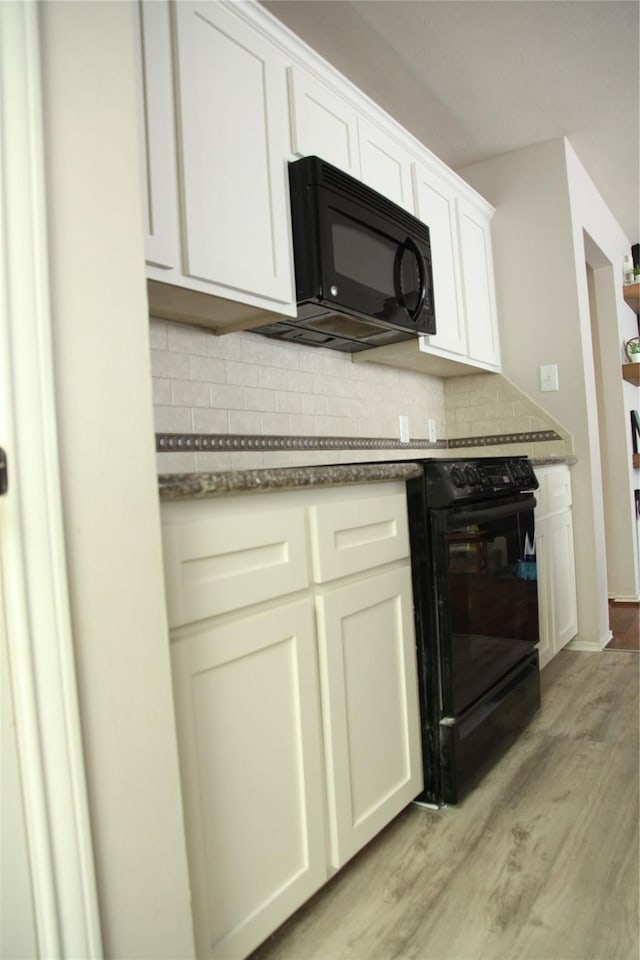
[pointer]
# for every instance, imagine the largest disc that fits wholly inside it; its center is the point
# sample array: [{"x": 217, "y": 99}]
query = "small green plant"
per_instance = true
[{"x": 632, "y": 348}]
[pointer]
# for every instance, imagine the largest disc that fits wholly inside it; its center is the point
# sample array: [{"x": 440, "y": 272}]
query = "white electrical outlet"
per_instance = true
[
  {"x": 431, "y": 426},
  {"x": 549, "y": 377},
  {"x": 404, "y": 429}
]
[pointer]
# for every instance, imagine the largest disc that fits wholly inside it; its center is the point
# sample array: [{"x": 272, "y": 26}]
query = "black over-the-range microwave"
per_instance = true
[{"x": 362, "y": 264}]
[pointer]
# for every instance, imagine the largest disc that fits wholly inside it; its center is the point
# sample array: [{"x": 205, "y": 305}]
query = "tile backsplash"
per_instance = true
[
  {"x": 482, "y": 406},
  {"x": 245, "y": 385}
]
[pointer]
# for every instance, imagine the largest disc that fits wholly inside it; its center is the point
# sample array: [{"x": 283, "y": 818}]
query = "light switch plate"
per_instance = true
[
  {"x": 404, "y": 429},
  {"x": 549, "y": 377},
  {"x": 431, "y": 427}
]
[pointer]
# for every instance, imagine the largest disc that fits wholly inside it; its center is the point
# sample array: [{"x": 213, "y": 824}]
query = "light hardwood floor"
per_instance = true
[{"x": 540, "y": 862}]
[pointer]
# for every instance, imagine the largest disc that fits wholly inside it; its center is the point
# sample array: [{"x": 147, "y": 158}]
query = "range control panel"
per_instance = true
[{"x": 482, "y": 478}]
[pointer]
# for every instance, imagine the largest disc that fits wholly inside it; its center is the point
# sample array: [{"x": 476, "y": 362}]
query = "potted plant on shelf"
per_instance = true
[{"x": 632, "y": 348}]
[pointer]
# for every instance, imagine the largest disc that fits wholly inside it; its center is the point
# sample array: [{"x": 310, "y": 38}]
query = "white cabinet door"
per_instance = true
[
  {"x": 370, "y": 707},
  {"x": 545, "y": 588},
  {"x": 476, "y": 261},
  {"x": 231, "y": 94},
  {"x": 247, "y": 711},
  {"x": 557, "y": 602},
  {"x": 564, "y": 617},
  {"x": 157, "y": 135},
  {"x": 322, "y": 123},
  {"x": 436, "y": 206},
  {"x": 385, "y": 165}
]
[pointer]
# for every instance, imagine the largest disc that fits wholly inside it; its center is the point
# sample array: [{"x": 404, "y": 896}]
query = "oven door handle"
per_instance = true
[{"x": 466, "y": 517}]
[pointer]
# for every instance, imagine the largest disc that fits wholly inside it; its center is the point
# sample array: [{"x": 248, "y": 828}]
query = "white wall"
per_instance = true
[
  {"x": 598, "y": 239},
  {"x": 103, "y": 385},
  {"x": 542, "y": 295}
]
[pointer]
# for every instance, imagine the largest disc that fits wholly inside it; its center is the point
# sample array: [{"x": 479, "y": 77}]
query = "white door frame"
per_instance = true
[{"x": 32, "y": 548}]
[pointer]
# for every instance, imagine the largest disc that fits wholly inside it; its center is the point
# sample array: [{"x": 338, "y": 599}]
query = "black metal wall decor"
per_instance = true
[{"x": 635, "y": 430}]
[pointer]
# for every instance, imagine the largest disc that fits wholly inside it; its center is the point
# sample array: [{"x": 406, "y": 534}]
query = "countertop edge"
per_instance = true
[
  {"x": 182, "y": 486},
  {"x": 187, "y": 486}
]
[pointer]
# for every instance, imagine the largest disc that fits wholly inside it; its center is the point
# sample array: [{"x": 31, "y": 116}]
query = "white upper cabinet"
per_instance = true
[
  {"x": 326, "y": 125},
  {"x": 476, "y": 266},
  {"x": 231, "y": 96},
  {"x": 158, "y": 153},
  {"x": 227, "y": 98},
  {"x": 215, "y": 169},
  {"x": 322, "y": 123},
  {"x": 466, "y": 338},
  {"x": 385, "y": 165},
  {"x": 436, "y": 206}
]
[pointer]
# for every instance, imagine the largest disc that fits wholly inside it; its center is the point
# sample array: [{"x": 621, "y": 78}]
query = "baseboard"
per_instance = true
[{"x": 585, "y": 647}]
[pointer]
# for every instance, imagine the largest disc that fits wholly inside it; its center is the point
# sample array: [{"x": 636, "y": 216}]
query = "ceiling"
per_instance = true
[{"x": 472, "y": 79}]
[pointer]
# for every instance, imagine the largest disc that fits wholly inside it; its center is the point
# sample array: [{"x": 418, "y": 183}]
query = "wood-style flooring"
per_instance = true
[
  {"x": 624, "y": 623},
  {"x": 540, "y": 861}
]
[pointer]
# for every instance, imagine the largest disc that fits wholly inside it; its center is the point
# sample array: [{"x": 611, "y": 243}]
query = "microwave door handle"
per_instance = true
[{"x": 410, "y": 244}]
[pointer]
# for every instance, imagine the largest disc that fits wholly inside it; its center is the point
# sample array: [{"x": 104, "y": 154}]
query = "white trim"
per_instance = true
[{"x": 32, "y": 550}]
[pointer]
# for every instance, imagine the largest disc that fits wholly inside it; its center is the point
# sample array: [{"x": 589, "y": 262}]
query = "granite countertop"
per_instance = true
[{"x": 183, "y": 486}]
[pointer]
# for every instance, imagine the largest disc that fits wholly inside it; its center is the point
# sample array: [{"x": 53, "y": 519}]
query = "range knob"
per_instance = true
[
  {"x": 519, "y": 471},
  {"x": 457, "y": 477},
  {"x": 470, "y": 475}
]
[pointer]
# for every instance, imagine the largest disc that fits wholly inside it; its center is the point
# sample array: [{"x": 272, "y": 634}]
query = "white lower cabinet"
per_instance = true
[
  {"x": 295, "y": 685},
  {"x": 247, "y": 711},
  {"x": 367, "y": 649},
  {"x": 557, "y": 605}
]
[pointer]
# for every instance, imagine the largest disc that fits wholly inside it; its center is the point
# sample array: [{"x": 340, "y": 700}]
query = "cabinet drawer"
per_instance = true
[
  {"x": 353, "y": 536},
  {"x": 225, "y": 563}
]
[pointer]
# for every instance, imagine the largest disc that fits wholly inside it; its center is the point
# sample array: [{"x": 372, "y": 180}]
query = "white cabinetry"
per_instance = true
[
  {"x": 223, "y": 205},
  {"x": 385, "y": 164},
  {"x": 158, "y": 152},
  {"x": 476, "y": 267},
  {"x": 326, "y": 125},
  {"x": 555, "y": 557},
  {"x": 323, "y": 124},
  {"x": 246, "y": 698},
  {"x": 467, "y": 338},
  {"x": 436, "y": 205},
  {"x": 366, "y": 646},
  {"x": 295, "y": 684},
  {"x": 227, "y": 98}
]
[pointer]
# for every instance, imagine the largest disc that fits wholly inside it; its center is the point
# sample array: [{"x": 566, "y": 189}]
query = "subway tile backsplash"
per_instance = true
[{"x": 245, "y": 385}]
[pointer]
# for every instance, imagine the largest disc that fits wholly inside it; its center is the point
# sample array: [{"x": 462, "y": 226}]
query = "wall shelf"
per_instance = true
[
  {"x": 631, "y": 293},
  {"x": 631, "y": 372}
]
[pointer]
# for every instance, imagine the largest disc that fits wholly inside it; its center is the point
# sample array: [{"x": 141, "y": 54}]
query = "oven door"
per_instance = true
[{"x": 487, "y": 599}]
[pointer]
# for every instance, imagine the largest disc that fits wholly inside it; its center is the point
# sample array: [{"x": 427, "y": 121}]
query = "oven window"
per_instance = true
[{"x": 492, "y": 601}]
